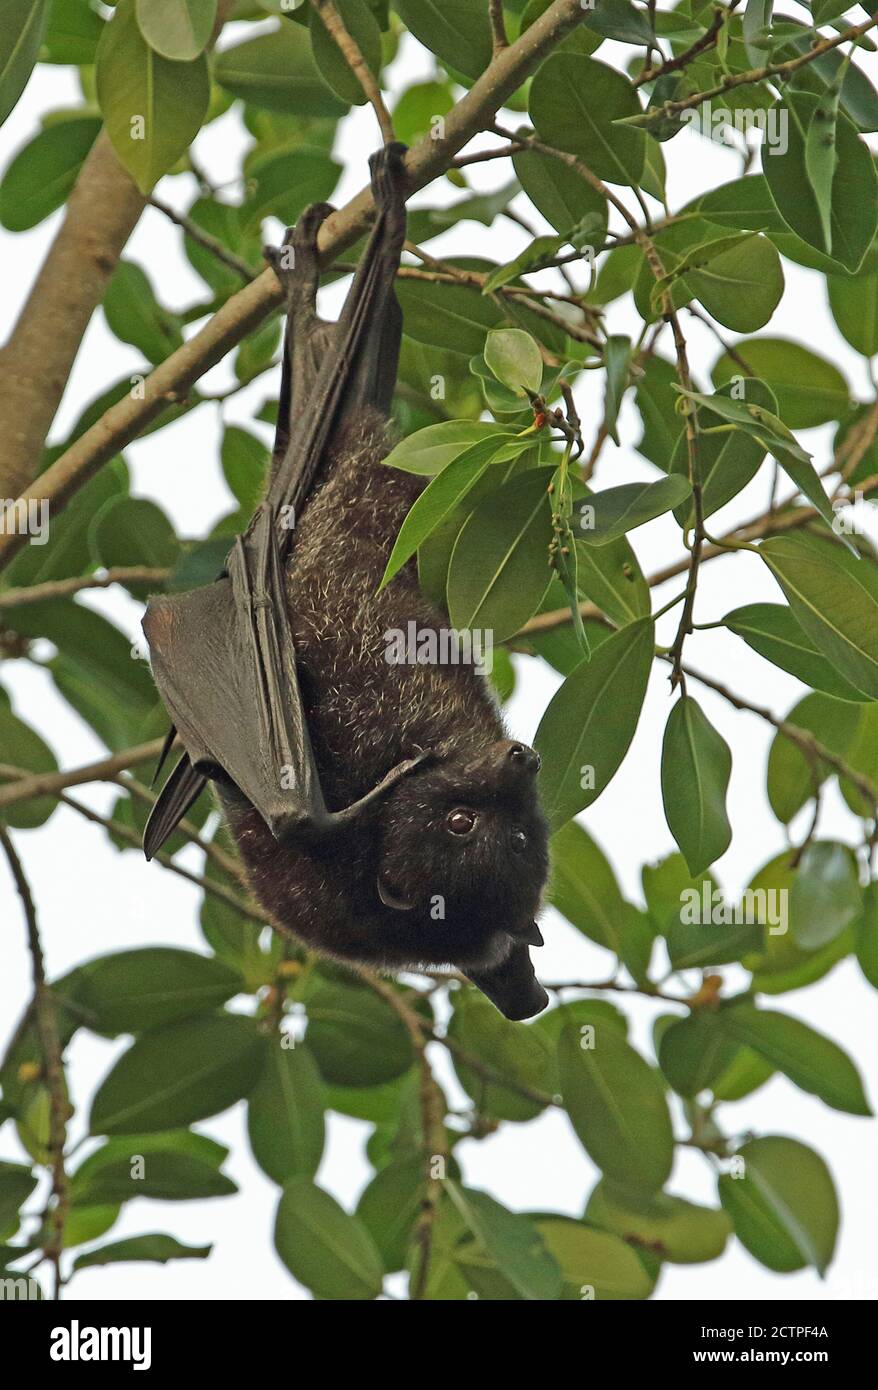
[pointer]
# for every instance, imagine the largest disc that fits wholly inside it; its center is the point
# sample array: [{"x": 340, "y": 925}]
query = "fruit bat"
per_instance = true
[{"x": 382, "y": 813}]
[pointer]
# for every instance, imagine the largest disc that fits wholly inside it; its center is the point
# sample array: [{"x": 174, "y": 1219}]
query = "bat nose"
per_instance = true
[{"x": 524, "y": 758}]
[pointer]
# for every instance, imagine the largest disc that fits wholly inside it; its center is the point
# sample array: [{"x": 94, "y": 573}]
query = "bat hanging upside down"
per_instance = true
[{"x": 381, "y": 812}]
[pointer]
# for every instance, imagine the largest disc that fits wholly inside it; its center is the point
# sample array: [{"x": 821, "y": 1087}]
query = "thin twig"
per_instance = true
[
  {"x": 51, "y": 783},
  {"x": 205, "y": 240},
  {"x": 350, "y": 51},
  {"x": 65, "y": 588}
]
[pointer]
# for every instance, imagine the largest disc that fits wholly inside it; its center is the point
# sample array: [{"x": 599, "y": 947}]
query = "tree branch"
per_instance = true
[
  {"x": 65, "y": 588},
  {"x": 350, "y": 51},
  {"x": 172, "y": 380}
]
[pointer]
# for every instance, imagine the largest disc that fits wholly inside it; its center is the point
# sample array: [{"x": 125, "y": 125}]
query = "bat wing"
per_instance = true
[
  {"x": 513, "y": 986},
  {"x": 223, "y": 656},
  {"x": 224, "y": 661}
]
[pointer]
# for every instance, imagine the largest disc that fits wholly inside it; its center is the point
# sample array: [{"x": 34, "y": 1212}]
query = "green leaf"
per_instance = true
[
  {"x": 363, "y": 29},
  {"x": 740, "y": 285},
  {"x": 696, "y": 767},
  {"x": 285, "y": 1113},
  {"x": 95, "y": 669},
  {"x": 583, "y": 886},
  {"x": 821, "y": 158},
  {"x": 133, "y": 531},
  {"x": 757, "y": 17},
  {"x": 842, "y": 218},
  {"x": 727, "y": 460},
  {"x": 277, "y": 71},
  {"x": 152, "y": 108},
  {"x": 225, "y": 223},
  {"x": 826, "y": 895},
  {"x": 655, "y": 400},
  {"x": 42, "y": 173},
  {"x": 455, "y": 317},
  {"x": 604, "y": 516},
  {"x": 620, "y": 20},
  {"x": 809, "y": 1059},
  {"x": 509, "y": 1052},
  {"x": 390, "y": 1206},
  {"x": 282, "y": 183},
  {"x": 178, "y": 1074},
  {"x": 594, "y": 1263},
  {"x": 511, "y": 1240},
  {"x": 431, "y": 450},
  {"x": 792, "y": 777},
  {"x": 773, "y": 631},
  {"x": 835, "y": 599},
  {"x": 575, "y": 103},
  {"x": 163, "y": 1174},
  {"x": 867, "y": 935},
  {"x": 23, "y": 747},
  {"x": 670, "y": 1227},
  {"x": 417, "y": 108},
  {"x": 744, "y": 203},
  {"x": 617, "y": 361},
  {"x": 355, "y": 1038},
  {"x": 783, "y": 1204},
  {"x": 590, "y": 722},
  {"x": 245, "y": 461},
  {"x": 617, "y": 1106},
  {"x": 559, "y": 194},
  {"x": 135, "y": 316},
  {"x": 853, "y": 300},
  {"x": 444, "y": 494},
  {"x": 130, "y": 991},
  {"x": 17, "y": 1182},
  {"x": 456, "y": 31},
  {"x": 693, "y": 1052},
  {"x": 325, "y": 1248},
  {"x": 22, "y": 23},
  {"x": 178, "y": 29},
  {"x": 72, "y": 33},
  {"x": 612, "y": 578},
  {"x": 514, "y": 358},
  {"x": 499, "y": 568},
  {"x": 809, "y": 390},
  {"x": 156, "y": 1248}
]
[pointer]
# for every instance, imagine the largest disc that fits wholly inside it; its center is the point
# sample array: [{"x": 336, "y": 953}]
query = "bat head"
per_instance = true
[{"x": 468, "y": 832}]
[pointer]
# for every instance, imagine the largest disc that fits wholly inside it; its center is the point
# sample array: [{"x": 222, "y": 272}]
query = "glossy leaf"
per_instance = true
[
  {"x": 590, "y": 722},
  {"x": 575, "y": 103},
  {"x": 607, "y": 515}
]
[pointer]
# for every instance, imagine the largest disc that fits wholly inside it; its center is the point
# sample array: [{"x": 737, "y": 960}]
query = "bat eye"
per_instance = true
[
  {"x": 461, "y": 822},
  {"x": 519, "y": 840}
]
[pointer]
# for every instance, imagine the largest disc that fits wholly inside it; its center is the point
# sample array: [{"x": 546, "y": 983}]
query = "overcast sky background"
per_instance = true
[{"x": 92, "y": 899}]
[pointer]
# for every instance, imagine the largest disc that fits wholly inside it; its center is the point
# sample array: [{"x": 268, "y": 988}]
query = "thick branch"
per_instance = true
[
  {"x": 101, "y": 214},
  {"x": 245, "y": 311}
]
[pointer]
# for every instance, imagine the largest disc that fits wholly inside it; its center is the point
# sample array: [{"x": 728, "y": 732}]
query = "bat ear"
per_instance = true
[{"x": 390, "y": 899}]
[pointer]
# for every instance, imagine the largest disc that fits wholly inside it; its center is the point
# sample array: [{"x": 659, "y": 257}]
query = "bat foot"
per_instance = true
[{"x": 295, "y": 262}]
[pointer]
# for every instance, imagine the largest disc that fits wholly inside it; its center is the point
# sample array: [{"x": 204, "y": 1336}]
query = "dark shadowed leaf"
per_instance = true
[
  {"x": 590, "y": 722},
  {"x": 355, "y": 1038},
  {"x": 178, "y": 1074}
]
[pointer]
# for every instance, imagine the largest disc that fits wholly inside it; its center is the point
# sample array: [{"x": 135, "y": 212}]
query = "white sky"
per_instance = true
[{"x": 92, "y": 899}]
